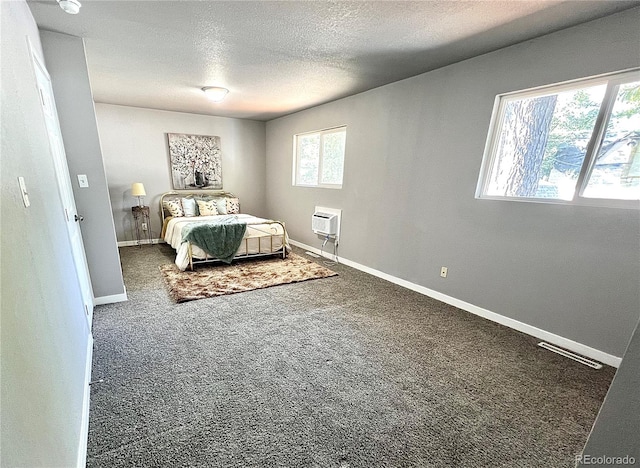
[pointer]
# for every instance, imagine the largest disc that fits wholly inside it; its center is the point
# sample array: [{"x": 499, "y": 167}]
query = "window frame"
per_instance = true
[
  {"x": 613, "y": 82},
  {"x": 296, "y": 160}
]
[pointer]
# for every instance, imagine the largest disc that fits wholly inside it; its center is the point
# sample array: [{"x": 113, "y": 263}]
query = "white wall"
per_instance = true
[
  {"x": 134, "y": 146},
  {"x": 67, "y": 65},
  {"x": 413, "y": 156},
  {"x": 44, "y": 332}
]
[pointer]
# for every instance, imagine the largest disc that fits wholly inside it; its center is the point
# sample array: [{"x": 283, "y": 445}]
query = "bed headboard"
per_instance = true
[{"x": 177, "y": 195}]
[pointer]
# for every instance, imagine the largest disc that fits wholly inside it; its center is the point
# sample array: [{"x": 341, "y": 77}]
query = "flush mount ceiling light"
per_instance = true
[
  {"x": 70, "y": 6},
  {"x": 215, "y": 93}
]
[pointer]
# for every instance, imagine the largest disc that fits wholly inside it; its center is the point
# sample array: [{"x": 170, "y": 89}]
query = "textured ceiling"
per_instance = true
[{"x": 280, "y": 57}]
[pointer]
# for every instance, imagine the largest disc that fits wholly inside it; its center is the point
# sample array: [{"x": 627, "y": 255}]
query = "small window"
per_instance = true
[
  {"x": 571, "y": 143},
  {"x": 319, "y": 158}
]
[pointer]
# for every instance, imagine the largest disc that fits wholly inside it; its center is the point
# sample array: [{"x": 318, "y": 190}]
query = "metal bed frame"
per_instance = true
[{"x": 281, "y": 251}]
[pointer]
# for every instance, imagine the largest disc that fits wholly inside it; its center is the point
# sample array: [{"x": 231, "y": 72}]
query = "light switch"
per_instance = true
[
  {"x": 23, "y": 192},
  {"x": 83, "y": 181}
]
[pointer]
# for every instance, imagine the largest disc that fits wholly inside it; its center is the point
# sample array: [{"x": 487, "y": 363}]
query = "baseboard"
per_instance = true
[
  {"x": 111, "y": 299},
  {"x": 135, "y": 243},
  {"x": 552, "y": 338},
  {"x": 84, "y": 427}
]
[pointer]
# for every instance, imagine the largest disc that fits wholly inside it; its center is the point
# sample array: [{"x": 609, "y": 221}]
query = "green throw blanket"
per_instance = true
[{"x": 220, "y": 238}]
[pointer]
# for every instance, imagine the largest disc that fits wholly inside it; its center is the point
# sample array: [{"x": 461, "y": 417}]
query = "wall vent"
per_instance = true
[{"x": 570, "y": 355}]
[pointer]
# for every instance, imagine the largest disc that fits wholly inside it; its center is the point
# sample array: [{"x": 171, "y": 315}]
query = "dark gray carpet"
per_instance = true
[{"x": 349, "y": 371}]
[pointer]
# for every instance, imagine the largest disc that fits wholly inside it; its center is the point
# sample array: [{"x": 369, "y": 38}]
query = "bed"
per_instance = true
[{"x": 194, "y": 222}]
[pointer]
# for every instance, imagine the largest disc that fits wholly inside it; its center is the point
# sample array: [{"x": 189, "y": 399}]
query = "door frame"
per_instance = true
[{"x": 65, "y": 190}]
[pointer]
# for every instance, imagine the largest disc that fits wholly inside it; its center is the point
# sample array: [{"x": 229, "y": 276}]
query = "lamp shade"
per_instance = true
[
  {"x": 215, "y": 93},
  {"x": 70, "y": 6},
  {"x": 137, "y": 190}
]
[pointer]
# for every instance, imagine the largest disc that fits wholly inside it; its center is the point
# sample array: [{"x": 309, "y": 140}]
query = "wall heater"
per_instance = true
[{"x": 324, "y": 223}]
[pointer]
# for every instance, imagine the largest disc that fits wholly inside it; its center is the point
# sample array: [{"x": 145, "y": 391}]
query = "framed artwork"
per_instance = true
[{"x": 196, "y": 161}]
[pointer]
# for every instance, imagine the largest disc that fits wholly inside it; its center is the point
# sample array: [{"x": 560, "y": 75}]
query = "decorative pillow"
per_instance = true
[
  {"x": 174, "y": 207},
  {"x": 233, "y": 206},
  {"x": 207, "y": 207},
  {"x": 189, "y": 206},
  {"x": 221, "y": 205}
]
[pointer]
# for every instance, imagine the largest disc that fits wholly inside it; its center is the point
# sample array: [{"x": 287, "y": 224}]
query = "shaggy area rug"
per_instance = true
[{"x": 245, "y": 275}]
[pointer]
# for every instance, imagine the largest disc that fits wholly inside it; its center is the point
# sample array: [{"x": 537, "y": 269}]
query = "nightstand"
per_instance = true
[{"x": 143, "y": 223}]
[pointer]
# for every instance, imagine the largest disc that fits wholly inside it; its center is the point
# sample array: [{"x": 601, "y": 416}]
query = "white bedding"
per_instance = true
[{"x": 257, "y": 238}]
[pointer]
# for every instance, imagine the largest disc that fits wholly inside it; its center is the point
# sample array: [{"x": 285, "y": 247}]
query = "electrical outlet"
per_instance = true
[
  {"x": 444, "y": 271},
  {"x": 144, "y": 226}
]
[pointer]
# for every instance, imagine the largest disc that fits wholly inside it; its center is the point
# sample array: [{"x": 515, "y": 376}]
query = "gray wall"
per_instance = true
[
  {"x": 44, "y": 331},
  {"x": 134, "y": 146},
  {"x": 413, "y": 156},
  {"x": 616, "y": 432},
  {"x": 66, "y": 63}
]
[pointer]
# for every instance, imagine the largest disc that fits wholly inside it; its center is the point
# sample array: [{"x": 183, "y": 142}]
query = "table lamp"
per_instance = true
[{"x": 137, "y": 190}]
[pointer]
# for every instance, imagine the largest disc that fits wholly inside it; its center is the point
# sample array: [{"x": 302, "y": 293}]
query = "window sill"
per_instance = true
[
  {"x": 334, "y": 187},
  {"x": 582, "y": 201}
]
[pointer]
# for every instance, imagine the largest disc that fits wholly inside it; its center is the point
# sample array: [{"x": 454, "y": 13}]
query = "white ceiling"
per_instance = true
[{"x": 278, "y": 57}]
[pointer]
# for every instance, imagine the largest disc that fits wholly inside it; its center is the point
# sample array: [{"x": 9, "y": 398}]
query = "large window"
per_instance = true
[
  {"x": 572, "y": 143},
  {"x": 319, "y": 158}
]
